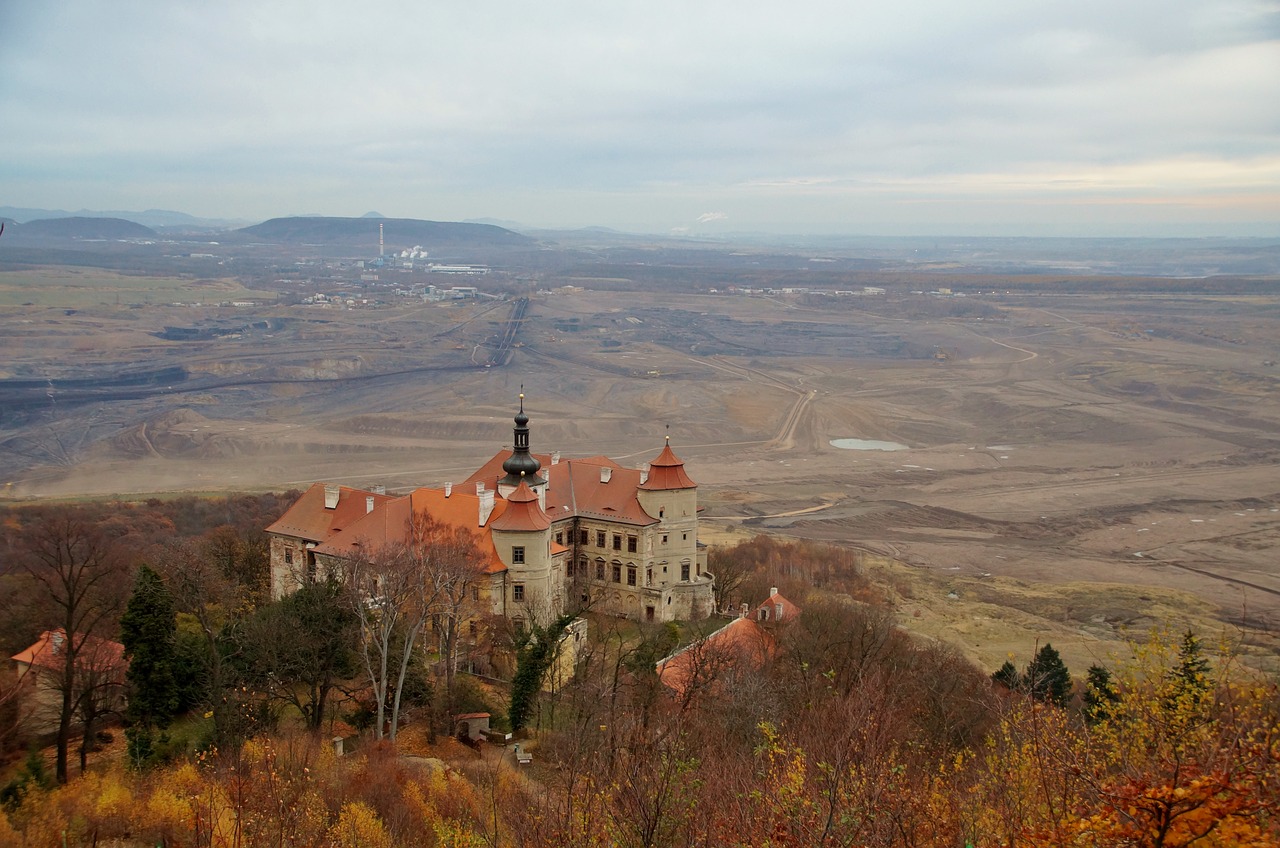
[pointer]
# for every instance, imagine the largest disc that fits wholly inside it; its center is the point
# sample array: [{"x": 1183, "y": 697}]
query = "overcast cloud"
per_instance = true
[{"x": 915, "y": 116}]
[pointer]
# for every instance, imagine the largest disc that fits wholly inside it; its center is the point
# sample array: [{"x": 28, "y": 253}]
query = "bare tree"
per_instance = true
[
  {"x": 459, "y": 565},
  {"x": 83, "y": 577},
  {"x": 394, "y": 591}
]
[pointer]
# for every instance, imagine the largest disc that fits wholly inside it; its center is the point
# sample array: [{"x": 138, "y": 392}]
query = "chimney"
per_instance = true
[
  {"x": 448, "y": 489},
  {"x": 486, "y": 505},
  {"x": 644, "y": 474},
  {"x": 330, "y": 495},
  {"x": 378, "y": 490},
  {"x": 57, "y": 637},
  {"x": 746, "y": 610},
  {"x": 773, "y": 590},
  {"x": 555, "y": 458},
  {"x": 605, "y": 473},
  {"x": 479, "y": 489},
  {"x": 368, "y": 504}
]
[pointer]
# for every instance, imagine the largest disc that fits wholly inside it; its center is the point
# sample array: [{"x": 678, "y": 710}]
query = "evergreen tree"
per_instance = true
[
  {"x": 1047, "y": 678},
  {"x": 1100, "y": 694},
  {"x": 1193, "y": 668},
  {"x": 147, "y": 630},
  {"x": 1007, "y": 676}
]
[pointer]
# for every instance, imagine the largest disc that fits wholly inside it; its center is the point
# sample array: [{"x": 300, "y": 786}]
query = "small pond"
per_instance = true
[{"x": 866, "y": 445}]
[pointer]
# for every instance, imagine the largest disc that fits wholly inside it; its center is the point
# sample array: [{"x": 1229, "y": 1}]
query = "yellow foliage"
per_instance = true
[
  {"x": 114, "y": 801},
  {"x": 358, "y": 826},
  {"x": 9, "y": 837}
]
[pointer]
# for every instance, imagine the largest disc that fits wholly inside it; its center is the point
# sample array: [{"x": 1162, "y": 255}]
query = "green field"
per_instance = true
[{"x": 81, "y": 288}]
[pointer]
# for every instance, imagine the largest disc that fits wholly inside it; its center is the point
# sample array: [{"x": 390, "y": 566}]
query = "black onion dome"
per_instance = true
[{"x": 521, "y": 463}]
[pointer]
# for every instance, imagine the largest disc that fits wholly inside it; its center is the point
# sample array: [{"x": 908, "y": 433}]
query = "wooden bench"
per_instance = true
[{"x": 523, "y": 757}]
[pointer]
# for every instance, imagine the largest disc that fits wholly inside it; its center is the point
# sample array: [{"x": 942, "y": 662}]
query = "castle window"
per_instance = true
[
  {"x": 517, "y": 592},
  {"x": 600, "y": 569},
  {"x": 662, "y": 512},
  {"x": 599, "y": 538},
  {"x": 631, "y": 544},
  {"x": 664, "y": 538},
  {"x": 475, "y": 593},
  {"x": 288, "y": 556},
  {"x": 617, "y": 541},
  {"x": 568, "y": 568},
  {"x": 560, "y": 538},
  {"x": 684, "y": 536},
  {"x": 648, "y": 577},
  {"x": 617, "y": 573},
  {"x": 631, "y": 575},
  {"x": 517, "y": 555},
  {"x": 684, "y": 571},
  {"x": 582, "y": 537}
]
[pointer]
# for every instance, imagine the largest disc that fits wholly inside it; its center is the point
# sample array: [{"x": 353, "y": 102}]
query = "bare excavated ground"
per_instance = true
[{"x": 1074, "y": 468}]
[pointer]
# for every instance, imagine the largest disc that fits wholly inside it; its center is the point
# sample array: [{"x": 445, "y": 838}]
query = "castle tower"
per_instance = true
[
  {"x": 669, "y": 495},
  {"x": 522, "y": 540},
  {"x": 521, "y": 465}
]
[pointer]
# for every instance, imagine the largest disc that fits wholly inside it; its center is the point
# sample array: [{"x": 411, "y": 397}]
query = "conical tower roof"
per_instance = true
[
  {"x": 667, "y": 472},
  {"x": 523, "y": 513}
]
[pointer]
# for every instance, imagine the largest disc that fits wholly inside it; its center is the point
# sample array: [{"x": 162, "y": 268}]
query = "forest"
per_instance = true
[{"x": 842, "y": 729}]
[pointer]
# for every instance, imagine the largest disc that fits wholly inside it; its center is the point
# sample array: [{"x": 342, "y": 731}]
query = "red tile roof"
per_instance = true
[
  {"x": 667, "y": 472},
  {"x": 574, "y": 488},
  {"x": 522, "y": 513},
  {"x": 740, "y": 642},
  {"x": 95, "y": 653},
  {"x": 389, "y": 524},
  {"x": 789, "y": 610},
  {"x": 309, "y": 519}
]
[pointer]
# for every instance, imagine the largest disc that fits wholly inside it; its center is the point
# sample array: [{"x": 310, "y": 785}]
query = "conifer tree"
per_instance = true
[
  {"x": 1047, "y": 677},
  {"x": 1100, "y": 694},
  {"x": 1007, "y": 676},
  {"x": 1192, "y": 672},
  {"x": 148, "y": 630}
]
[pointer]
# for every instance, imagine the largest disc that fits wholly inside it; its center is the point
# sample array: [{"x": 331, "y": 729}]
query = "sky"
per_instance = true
[{"x": 932, "y": 117}]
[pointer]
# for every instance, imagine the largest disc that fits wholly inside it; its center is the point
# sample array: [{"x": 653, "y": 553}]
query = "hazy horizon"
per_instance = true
[{"x": 924, "y": 119}]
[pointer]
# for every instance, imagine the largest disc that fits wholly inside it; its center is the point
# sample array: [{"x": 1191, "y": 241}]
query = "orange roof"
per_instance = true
[
  {"x": 789, "y": 610},
  {"x": 388, "y": 523},
  {"x": 740, "y": 642},
  {"x": 308, "y": 519},
  {"x": 574, "y": 488},
  {"x": 94, "y": 653},
  {"x": 523, "y": 512},
  {"x": 667, "y": 472}
]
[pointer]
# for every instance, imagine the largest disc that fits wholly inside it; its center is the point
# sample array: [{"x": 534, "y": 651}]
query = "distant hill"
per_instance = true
[
  {"x": 80, "y": 228},
  {"x": 149, "y": 218},
  {"x": 397, "y": 232}
]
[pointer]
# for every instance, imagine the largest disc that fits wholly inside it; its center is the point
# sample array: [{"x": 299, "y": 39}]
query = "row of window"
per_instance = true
[
  {"x": 616, "y": 571},
  {"x": 603, "y": 539}
]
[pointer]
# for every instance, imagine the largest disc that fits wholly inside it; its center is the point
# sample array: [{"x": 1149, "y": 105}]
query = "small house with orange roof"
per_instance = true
[
  {"x": 776, "y": 609},
  {"x": 746, "y": 642},
  {"x": 557, "y": 533},
  {"x": 99, "y": 665}
]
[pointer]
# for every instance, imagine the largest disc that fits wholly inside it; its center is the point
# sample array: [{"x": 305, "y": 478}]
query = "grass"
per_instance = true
[{"x": 81, "y": 288}]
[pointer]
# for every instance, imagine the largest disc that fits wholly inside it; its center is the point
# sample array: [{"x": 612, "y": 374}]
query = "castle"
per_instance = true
[{"x": 557, "y": 534}]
